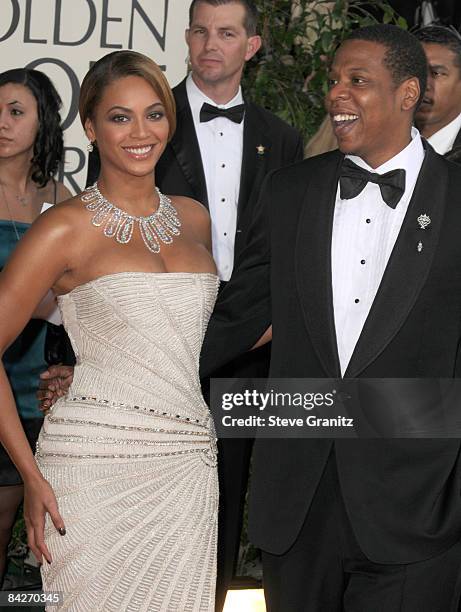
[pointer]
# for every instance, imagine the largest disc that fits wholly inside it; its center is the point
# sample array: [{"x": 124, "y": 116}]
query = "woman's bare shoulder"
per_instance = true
[
  {"x": 68, "y": 215},
  {"x": 195, "y": 217},
  {"x": 190, "y": 208}
]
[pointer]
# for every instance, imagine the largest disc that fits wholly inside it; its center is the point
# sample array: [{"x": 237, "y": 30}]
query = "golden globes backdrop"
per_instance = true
[{"x": 63, "y": 37}]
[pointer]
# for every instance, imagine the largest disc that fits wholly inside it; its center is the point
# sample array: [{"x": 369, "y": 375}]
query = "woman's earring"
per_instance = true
[{"x": 90, "y": 147}]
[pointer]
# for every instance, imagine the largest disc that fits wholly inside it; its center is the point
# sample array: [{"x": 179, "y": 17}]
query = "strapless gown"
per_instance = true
[{"x": 131, "y": 452}]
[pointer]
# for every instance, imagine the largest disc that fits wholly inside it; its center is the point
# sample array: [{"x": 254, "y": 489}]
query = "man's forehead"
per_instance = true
[
  {"x": 360, "y": 54},
  {"x": 439, "y": 54},
  {"x": 231, "y": 14}
]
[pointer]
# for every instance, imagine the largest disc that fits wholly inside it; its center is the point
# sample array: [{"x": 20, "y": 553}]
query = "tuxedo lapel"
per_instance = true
[
  {"x": 408, "y": 265},
  {"x": 313, "y": 264},
  {"x": 256, "y": 149},
  {"x": 185, "y": 145}
]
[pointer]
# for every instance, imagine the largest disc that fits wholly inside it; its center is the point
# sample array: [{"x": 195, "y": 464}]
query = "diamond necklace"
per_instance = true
[{"x": 158, "y": 227}]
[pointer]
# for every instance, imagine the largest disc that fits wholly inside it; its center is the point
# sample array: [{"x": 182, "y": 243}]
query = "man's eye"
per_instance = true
[
  {"x": 358, "y": 80},
  {"x": 228, "y": 34},
  {"x": 332, "y": 83}
]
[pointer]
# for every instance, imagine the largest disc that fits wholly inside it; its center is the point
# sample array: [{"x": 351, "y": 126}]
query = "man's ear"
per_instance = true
[
  {"x": 410, "y": 91},
  {"x": 187, "y": 36},
  {"x": 253, "y": 46}
]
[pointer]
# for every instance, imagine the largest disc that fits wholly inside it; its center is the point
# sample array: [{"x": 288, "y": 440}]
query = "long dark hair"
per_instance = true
[{"x": 48, "y": 145}]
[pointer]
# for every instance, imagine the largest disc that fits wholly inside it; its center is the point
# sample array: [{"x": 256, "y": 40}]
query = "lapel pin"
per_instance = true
[
  {"x": 261, "y": 149},
  {"x": 424, "y": 220},
  {"x": 420, "y": 246}
]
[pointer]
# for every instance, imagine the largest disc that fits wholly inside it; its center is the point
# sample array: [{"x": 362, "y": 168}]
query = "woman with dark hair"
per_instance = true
[
  {"x": 31, "y": 147},
  {"x": 121, "y": 498}
]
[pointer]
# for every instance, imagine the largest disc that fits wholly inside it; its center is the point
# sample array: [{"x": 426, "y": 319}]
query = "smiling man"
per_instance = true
[
  {"x": 355, "y": 288},
  {"x": 439, "y": 116}
]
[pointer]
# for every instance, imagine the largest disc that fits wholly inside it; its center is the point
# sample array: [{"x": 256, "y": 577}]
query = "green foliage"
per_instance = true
[{"x": 290, "y": 74}]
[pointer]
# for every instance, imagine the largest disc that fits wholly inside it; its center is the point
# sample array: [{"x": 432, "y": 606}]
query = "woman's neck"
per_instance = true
[
  {"x": 15, "y": 174},
  {"x": 135, "y": 195}
]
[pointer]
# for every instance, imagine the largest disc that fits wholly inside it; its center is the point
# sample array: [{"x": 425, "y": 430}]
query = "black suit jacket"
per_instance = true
[
  {"x": 402, "y": 496},
  {"x": 180, "y": 171},
  {"x": 454, "y": 154}
]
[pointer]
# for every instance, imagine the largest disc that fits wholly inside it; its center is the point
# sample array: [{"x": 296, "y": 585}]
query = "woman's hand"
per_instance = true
[{"x": 39, "y": 499}]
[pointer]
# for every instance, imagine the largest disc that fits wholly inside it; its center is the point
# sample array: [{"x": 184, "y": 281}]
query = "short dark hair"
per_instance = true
[
  {"x": 49, "y": 144},
  {"x": 251, "y": 12},
  {"x": 446, "y": 37},
  {"x": 404, "y": 57}
]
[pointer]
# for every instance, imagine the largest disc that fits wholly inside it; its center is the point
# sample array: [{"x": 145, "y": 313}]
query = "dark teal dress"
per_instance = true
[{"x": 23, "y": 361}]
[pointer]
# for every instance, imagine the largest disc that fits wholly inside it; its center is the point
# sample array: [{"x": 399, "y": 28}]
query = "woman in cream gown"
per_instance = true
[{"x": 121, "y": 499}]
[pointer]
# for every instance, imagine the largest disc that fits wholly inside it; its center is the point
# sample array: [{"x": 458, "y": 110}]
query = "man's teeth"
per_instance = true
[
  {"x": 139, "y": 150},
  {"x": 344, "y": 117}
]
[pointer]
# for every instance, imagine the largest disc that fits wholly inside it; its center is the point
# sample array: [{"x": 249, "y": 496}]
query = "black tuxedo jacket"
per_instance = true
[
  {"x": 402, "y": 496},
  {"x": 180, "y": 170},
  {"x": 454, "y": 154}
]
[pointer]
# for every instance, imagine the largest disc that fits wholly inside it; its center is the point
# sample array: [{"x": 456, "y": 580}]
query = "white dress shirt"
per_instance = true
[
  {"x": 444, "y": 139},
  {"x": 365, "y": 229},
  {"x": 221, "y": 148}
]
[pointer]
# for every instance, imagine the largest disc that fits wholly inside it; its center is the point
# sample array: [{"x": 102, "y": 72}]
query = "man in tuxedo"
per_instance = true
[
  {"x": 439, "y": 115},
  {"x": 223, "y": 147},
  {"x": 355, "y": 288}
]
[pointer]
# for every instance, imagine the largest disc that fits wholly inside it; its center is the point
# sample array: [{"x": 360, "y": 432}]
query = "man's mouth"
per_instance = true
[
  {"x": 343, "y": 122},
  {"x": 212, "y": 60},
  {"x": 343, "y": 119}
]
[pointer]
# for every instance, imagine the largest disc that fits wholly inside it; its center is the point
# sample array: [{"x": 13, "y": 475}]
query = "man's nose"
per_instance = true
[
  {"x": 338, "y": 91},
  {"x": 211, "y": 41},
  {"x": 430, "y": 82}
]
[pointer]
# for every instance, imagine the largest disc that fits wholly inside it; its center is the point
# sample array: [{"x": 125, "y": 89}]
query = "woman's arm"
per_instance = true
[
  {"x": 47, "y": 308},
  {"x": 265, "y": 338},
  {"x": 36, "y": 264}
]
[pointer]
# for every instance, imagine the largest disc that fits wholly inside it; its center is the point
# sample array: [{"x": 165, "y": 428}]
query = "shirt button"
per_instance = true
[
  {"x": 362, "y": 262},
  {"x": 223, "y": 165},
  {"x": 368, "y": 220},
  {"x": 356, "y": 300},
  {"x": 225, "y": 233},
  {"x": 223, "y": 199},
  {"x": 221, "y": 134}
]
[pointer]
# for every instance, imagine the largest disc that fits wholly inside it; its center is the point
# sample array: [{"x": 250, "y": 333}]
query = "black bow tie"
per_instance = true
[
  {"x": 353, "y": 180},
  {"x": 234, "y": 113}
]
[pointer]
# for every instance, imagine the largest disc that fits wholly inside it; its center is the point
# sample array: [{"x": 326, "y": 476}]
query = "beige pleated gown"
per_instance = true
[{"x": 131, "y": 452}]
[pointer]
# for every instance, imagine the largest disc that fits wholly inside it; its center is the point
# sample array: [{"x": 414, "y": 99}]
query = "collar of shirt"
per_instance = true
[
  {"x": 444, "y": 139},
  {"x": 410, "y": 159},
  {"x": 197, "y": 98}
]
